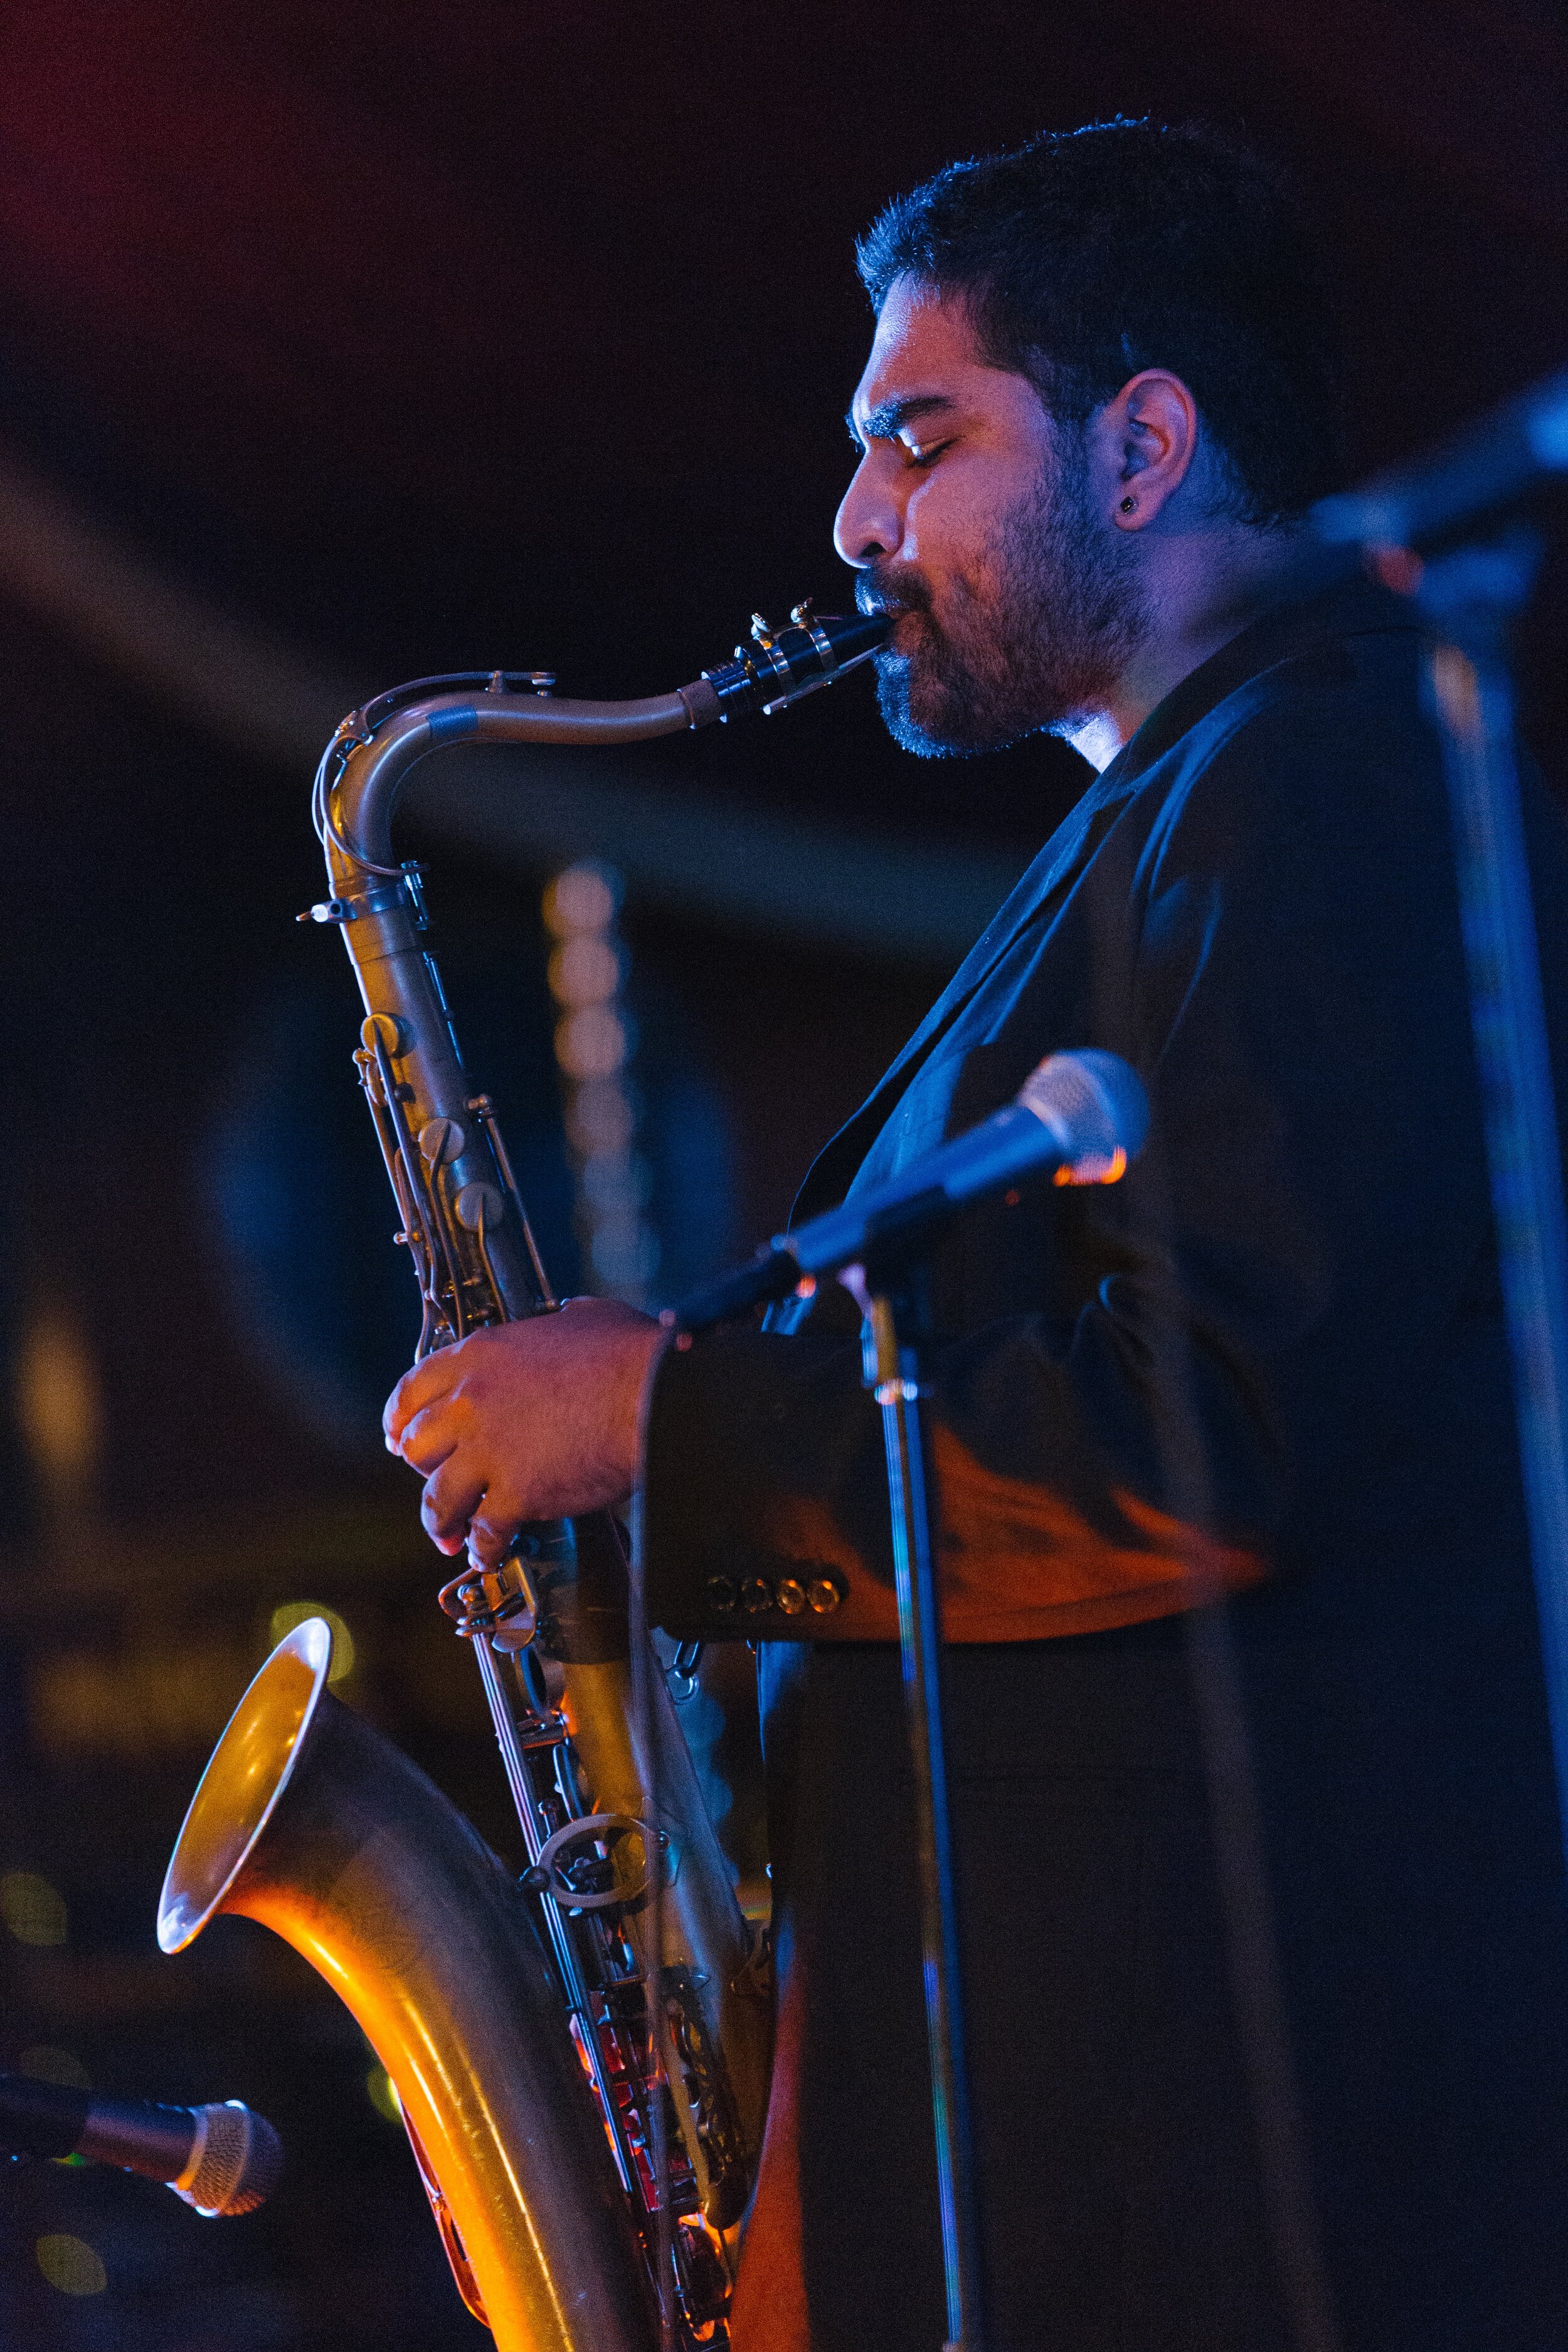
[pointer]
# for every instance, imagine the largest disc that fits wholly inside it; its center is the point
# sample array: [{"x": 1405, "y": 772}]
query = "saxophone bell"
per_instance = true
[{"x": 309, "y": 1820}]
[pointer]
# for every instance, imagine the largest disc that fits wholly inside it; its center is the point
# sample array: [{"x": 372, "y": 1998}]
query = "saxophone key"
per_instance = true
[
  {"x": 442, "y": 1140},
  {"x": 478, "y": 1207}
]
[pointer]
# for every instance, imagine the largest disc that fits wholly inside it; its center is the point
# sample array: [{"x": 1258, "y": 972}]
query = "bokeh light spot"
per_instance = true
[
  {"x": 592, "y": 1043},
  {"x": 383, "y": 2092},
  {"x": 32, "y": 1910},
  {"x": 294, "y": 1612},
  {"x": 59, "y": 1401},
  {"x": 583, "y": 898},
  {"x": 70, "y": 2264},
  {"x": 584, "y": 970}
]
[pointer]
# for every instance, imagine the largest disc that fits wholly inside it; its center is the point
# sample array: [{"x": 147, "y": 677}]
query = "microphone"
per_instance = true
[
  {"x": 1081, "y": 1116},
  {"x": 1514, "y": 448},
  {"x": 223, "y": 2159},
  {"x": 1518, "y": 449}
]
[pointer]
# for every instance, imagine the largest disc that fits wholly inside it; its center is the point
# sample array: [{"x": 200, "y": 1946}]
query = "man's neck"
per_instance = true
[{"x": 1197, "y": 588}]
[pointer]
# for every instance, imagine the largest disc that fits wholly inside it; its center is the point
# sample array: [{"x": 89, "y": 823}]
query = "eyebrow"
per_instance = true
[{"x": 886, "y": 421}]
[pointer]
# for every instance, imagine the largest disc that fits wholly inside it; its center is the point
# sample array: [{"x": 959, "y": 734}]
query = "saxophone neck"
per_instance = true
[{"x": 374, "y": 750}]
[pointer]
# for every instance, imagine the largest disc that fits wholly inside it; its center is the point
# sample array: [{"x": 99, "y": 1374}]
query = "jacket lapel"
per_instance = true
[
  {"x": 1277, "y": 634},
  {"x": 1026, "y": 908}
]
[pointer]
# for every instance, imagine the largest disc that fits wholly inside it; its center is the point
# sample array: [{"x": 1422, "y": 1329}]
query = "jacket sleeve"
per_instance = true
[{"x": 1260, "y": 1288}]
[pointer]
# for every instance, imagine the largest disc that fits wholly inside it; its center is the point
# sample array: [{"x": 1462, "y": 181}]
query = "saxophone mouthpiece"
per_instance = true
[{"x": 779, "y": 666}]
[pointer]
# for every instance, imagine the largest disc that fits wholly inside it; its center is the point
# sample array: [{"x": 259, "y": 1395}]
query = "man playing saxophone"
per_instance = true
[{"x": 1267, "y": 1959}]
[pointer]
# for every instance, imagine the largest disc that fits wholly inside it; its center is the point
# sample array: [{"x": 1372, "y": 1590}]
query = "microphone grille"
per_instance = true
[
  {"x": 1095, "y": 1105},
  {"x": 235, "y": 2164}
]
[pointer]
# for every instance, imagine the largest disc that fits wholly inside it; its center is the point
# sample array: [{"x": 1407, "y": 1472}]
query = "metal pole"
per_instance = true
[
  {"x": 893, "y": 1370},
  {"x": 1470, "y": 597}
]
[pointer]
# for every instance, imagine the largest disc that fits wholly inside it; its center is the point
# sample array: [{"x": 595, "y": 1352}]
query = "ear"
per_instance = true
[{"x": 1145, "y": 441}]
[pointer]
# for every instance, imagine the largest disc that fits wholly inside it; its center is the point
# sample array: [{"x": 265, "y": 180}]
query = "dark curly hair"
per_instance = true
[{"x": 1088, "y": 255}]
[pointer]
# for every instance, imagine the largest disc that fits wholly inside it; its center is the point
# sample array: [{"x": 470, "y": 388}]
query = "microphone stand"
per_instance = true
[
  {"x": 1081, "y": 1114},
  {"x": 1470, "y": 597},
  {"x": 895, "y": 1303}
]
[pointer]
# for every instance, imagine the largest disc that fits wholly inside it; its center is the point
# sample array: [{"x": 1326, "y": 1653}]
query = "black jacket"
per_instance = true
[{"x": 1275, "y": 1354}]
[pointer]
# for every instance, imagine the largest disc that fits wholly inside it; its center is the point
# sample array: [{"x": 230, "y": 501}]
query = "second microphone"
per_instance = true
[{"x": 1082, "y": 1116}]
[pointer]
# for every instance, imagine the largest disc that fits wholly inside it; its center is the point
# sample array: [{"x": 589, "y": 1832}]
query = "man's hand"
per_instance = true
[{"x": 527, "y": 1420}]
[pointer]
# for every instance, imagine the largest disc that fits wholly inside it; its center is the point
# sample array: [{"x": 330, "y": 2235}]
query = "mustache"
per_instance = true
[{"x": 891, "y": 589}]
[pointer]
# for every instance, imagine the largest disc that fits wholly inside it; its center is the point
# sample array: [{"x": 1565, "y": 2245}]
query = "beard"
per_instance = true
[{"x": 1034, "y": 637}]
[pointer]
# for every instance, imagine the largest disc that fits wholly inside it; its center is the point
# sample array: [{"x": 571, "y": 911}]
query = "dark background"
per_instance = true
[{"x": 340, "y": 345}]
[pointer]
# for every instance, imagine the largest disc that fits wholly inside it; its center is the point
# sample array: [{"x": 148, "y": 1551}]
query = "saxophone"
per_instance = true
[{"x": 581, "y": 2057}]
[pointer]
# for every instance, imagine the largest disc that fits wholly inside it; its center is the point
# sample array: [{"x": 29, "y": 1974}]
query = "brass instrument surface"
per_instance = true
[
  {"x": 585, "y": 2104},
  {"x": 309, "y": 1822},
  {"x": 477, "y": 1266}
]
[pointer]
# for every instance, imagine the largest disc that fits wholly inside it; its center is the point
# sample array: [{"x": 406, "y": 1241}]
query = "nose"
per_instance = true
[{"x": 869, "y": 524}]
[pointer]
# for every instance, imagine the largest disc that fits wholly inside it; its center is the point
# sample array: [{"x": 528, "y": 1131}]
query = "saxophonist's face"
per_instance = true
[{"x": 977, "y": 519}]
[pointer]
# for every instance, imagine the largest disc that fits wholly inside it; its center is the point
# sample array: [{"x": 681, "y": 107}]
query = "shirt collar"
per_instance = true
[{"x": 1357, "y": 608}]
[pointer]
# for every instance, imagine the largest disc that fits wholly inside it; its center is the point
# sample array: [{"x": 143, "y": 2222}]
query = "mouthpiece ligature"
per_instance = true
[{"x": 780, "y": 665}]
